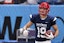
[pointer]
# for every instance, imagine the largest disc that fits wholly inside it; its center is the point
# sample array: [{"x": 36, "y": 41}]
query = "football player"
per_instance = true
[{"x": 43, "y": 23}]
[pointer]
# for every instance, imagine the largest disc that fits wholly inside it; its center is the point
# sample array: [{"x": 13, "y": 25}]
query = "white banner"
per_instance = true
[{"x": 8, "y": 1}]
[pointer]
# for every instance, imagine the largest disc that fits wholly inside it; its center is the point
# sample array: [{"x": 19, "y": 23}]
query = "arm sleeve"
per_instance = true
[
  {"x": 32, "y": 18},
  {"x": 53, "y": 21}
]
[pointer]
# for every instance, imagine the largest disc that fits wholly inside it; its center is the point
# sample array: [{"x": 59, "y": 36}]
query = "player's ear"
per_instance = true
[{"x": 48, "y": 10}]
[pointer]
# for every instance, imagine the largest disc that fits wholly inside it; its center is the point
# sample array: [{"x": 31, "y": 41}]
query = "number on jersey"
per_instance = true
[{"x": 41, "y": 31}]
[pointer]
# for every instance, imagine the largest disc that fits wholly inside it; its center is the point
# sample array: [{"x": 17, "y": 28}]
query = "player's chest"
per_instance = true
[{"x": 42, "y": 23}]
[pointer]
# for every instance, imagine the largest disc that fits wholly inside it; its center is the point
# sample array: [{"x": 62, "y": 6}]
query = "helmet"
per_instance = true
[{"x": 44, "y": 5}]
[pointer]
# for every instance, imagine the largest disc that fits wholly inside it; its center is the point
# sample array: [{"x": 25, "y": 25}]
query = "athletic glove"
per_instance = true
[{"x": 51, "y": 36}]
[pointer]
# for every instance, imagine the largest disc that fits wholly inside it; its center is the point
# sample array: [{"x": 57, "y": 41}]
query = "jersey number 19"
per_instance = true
[{"x": 41, "y": 31}]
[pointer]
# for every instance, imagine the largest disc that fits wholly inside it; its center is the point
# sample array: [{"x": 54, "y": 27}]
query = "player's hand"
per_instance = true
[
  {"x": 21, "y": 30},
  {"x": 49, "y": 36},
  {"x": 25, "y": 33}
]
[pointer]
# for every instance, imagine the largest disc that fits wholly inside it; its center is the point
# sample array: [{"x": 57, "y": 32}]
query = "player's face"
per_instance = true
[{"x": 43, "y": 11}]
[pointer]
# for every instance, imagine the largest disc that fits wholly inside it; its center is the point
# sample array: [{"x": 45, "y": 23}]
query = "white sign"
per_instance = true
[{"x": 8, "y": 1}]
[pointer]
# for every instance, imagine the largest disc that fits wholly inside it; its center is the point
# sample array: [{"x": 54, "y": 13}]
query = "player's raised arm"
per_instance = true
[
  {"x": 24, "y": 30},
  {"x": 27, "y": 25}
]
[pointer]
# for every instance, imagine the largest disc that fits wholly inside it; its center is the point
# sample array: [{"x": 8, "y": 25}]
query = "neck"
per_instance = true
[{"x": 43, "y": 16}]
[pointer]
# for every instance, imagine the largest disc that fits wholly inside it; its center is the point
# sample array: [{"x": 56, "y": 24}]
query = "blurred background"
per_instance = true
[
  {"x": 52, "y": 2},
  {"x": 23, "y": 8}
]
